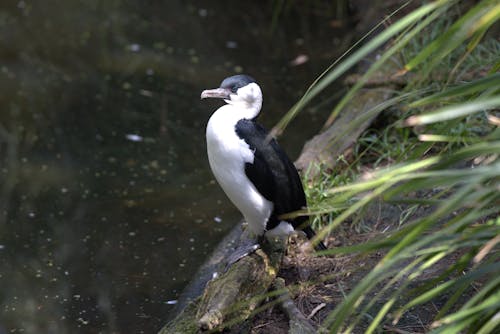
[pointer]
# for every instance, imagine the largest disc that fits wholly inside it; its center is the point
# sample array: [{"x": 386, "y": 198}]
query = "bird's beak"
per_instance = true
[{"x": 220, "y": 93}]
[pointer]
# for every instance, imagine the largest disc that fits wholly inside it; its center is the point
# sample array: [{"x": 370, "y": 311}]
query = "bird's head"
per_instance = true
[{"x": 240, "y": 90}]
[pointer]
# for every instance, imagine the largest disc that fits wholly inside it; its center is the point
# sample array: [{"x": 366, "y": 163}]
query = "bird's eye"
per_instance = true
[{"x": 234, "y": 89}]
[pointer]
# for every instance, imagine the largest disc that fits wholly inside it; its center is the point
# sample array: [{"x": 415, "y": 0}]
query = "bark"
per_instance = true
[
  {"x": 323, "y": 150},
  {"x": 230, "y": 299}
]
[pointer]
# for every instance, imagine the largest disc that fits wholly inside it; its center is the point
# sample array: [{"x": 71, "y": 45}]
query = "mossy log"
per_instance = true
[{"x": 230, "y": 299}]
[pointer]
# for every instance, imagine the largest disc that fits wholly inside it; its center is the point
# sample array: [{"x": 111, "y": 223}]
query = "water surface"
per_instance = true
[{"x": 107, "y": 205}]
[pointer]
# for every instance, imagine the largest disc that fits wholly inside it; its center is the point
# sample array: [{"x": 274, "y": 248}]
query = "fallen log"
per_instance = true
[
  {"x": 323, "y": 150},
  {"x": 231, "y": 298}
]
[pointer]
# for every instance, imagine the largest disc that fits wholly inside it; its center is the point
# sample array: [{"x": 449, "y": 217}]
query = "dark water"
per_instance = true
[{"x": 107, "y": 205}]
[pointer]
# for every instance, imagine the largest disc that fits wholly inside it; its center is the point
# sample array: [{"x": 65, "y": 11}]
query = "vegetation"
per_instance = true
[{"x": 436, "y": 155}]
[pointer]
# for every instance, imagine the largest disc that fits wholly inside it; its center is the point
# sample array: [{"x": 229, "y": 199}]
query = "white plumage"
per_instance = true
[{"x": 227, "y": 155}]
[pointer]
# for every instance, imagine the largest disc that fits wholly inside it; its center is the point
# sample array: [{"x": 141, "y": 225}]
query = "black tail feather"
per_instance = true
[{"x": 310, "y": 234}]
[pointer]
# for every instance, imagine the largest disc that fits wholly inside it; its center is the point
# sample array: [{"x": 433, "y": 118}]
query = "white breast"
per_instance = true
[{"x": 227, "y": 155}]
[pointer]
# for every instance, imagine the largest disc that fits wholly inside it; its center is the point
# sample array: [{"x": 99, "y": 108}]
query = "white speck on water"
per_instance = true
[
  {"x": 171, "y": 302},
  {"x": 299, "y": 41},
  {"x": 215, "y": 275},
  {"x": 64, "y": 190},
  {"x": 134, "y": 47},
  {"x": 145, "y": 92},
  {"x": 202, "y": 12},
  {"x": 299, "y": 60},
  {"x": 217, "y": 219},
  {"x": 2, "y": 247},
  {"x": 231, "y": 45},
  {"x": 31, "y": 215},
  {"x": 134, "y": 137}
]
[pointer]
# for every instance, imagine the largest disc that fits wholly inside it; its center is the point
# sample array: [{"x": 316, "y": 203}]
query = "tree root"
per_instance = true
[{"x": 298, "y": 323}]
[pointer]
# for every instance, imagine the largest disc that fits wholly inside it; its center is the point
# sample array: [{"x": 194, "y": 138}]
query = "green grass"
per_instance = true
[{"x": 438, "y": 147}]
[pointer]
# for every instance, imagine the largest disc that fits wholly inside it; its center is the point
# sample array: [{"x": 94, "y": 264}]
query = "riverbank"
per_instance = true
[{"x": 402, "y": 185}]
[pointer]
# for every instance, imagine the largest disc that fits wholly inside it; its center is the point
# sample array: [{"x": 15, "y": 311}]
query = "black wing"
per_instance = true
[{"x": 272, "y": 173}]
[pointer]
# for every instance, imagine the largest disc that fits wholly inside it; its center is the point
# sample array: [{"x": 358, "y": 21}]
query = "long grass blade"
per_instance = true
[
  {"x": 473, "y": 87},
  {"x": 490, "y": 325},
  {"x": 473, "y": 21},
  {"x": 455, "y": 111},
  {"x": 358, "y": 55},
  {"x": 407, "y": 37}
]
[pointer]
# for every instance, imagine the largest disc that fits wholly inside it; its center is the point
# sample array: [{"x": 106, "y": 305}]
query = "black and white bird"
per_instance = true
[{"x": 252, "y": 169}]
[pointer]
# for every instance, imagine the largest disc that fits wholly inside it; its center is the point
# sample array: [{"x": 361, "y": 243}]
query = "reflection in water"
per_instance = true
[{"x": 107, "y": 205}]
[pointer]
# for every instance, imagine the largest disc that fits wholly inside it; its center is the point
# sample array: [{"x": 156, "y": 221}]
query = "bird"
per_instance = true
[{"x": 253, "y": 170}]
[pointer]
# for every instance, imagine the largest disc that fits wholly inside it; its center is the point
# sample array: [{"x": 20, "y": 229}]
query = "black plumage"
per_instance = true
[
  {"x": 236, "y": 81},
  {"x": 274, "y": 176}
]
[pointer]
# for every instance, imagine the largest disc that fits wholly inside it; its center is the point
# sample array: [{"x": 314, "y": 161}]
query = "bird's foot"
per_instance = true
[{"x": 241, "y": 251}]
